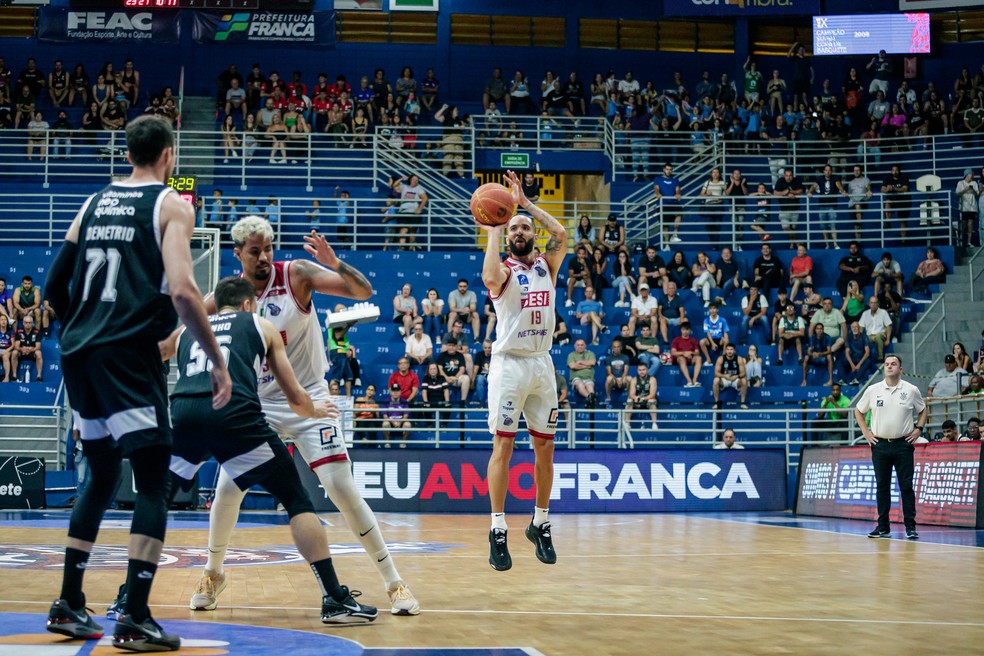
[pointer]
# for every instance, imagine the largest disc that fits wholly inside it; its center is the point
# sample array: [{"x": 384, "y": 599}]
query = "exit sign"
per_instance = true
[{"x": 514, "y": 160}]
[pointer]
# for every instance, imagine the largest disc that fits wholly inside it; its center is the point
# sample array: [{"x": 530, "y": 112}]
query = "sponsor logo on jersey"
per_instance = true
[
  {"x": 507, "y": 420},
  {"x": 540, "y": 272},
  {"x": 273, "y": 309},
  {"x": 536, "y": 299},
  {"x": 523, "y": 279}
]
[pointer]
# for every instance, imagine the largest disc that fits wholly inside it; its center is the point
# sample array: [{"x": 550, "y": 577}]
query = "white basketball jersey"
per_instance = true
[
  {"x": 525, "y": 309},
  {"x": 300, "y": 330}
]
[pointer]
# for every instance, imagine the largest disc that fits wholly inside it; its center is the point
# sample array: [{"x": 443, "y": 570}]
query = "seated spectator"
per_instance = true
[
  {"x": 590, "y": 312},
  {"x": 490, "y": 318},
  {"x": 792, "y": 331},
  {"x": 703, "y": 274},
  {"x": 37, "y": 130},
  {"x": 728, "y": 276},
  {"x": 831, "y": 422},
  {"x": 963, "y": 358},
  {"x": 754, "y": 308},
  {"x": 949, "y": 432},
  {"x": 967, "y": 192},
  {"x": 768, "y": 271},
  {"x": 833, "y": 323},
  {"x": 811, "y": 303},
  {"x": 623, "y": 278},
  {"x": 891, "y": 301},
  {"x": 800, "y": 271},
  {"x": 678, "y": 271},
  {"x": 857, "y": 355},
  {"x": 617, "y": 369},
  {"x": 753, "y": 367},
  {"x": 647, "y": 348},
  {"x": 6, "y": 346},
  {"x": 585, "y": 234},
  {"x": 480, "y": 373},
  {"x": 611, "y": 240},
  {"x": 339, "y": 353},
  {"x": 948, "y": 381},
  {"x": 434, "y": 389},
  {"x": 581, "y": 363},
  {"x": 686, "y": 353},
  {"x": 495, "y": 90},
  {"x": 365, "y": 418},
  {"x": 235, "y": 99},
  {"x": 395, "y": 415},
  {"x": 930, "y": 271},
  {"x": 854, "y": 303},
  {"x": 778, "y": 311},
  {"x": 715, "y": 334},
  {"x": 729, "y": 371},
  {"x": 405, "y": 310},
  {"x": 652, "y": 269},
  {"x": 26, "y": 300},
  {"x": 973, "y": 433},
  {"x": 728, "y": 440},
  {"x": 887, "y": 272},
  {"x": 463, "y": 306},
  {"x": 858, "y": 194},
  {"x": 433, "y": 315},
  {"x": 975, "y": 385},
  {"x": 456, "y": 332},
  {"x": 642, "y": 393},
  {"x": 818, "y": 353},
  {"x": 671, "y": 311},
  {"x": 25, "y": 105},
  {"x": 453, "y": 367},
  {"x": 877, "y": 326},
  {"x": 61, "y": 137},
  {"x": 405, "y": 380},
  {"x": 113, "y": 117},
  {"x": 27, "y": 346},
  {"x": 762, "y": 201},
  {"x": 644, "y": 309},
  {"x": 277, "y": 135},
  {"x": 560, "y": 336},
  {"x": 420, "y": 349},
  {"x": 599, "y": 270},
  {"x": 578, "y": 273}
]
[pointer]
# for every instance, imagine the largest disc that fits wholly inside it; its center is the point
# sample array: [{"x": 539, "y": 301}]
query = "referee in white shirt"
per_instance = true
[{"x": 892, "y": 403}]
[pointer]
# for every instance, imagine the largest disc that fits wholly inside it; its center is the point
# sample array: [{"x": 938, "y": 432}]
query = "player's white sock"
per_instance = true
[
  {"x": 540, "y": 516},
  {"x": 499, "y": 521},
  {"x": 222, "y": 519},
  {"x": 336, "y": 478}
]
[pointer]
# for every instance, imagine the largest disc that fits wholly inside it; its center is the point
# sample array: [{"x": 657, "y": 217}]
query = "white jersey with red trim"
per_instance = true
[
  {"x": 525, "y": 309},
  {"x": 299, "y": 329}
]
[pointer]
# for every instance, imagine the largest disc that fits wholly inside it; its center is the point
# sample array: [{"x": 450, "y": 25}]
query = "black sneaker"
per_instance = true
[
  {"x": 544, "y": 543},
  {"x": 910, "y": 534},
  {"x": 499, "y": 557},
  {"x": 880, "y": 533},
  {"x": 115, "y": 609},
  {"x": 346, "y": 611},
  {"x": 145, "y": 636},
  {"x": 72, "y": 623}
]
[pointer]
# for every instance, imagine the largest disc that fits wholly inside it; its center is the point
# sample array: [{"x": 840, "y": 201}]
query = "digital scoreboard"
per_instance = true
[
  {"x": 186, "y": 186},
  {"x": 866, "y": 34}
]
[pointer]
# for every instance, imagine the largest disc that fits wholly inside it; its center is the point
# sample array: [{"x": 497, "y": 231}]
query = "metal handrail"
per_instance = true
[
  {"x": 934, "y": 320},
  {"x": 974, "y": 275}
]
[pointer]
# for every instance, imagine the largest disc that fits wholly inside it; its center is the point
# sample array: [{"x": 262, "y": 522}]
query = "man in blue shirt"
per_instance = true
[
  {"x": 715, "y": 333},
  {"x": 857, "y": 354},
  {"x": 667, "y": 188}
]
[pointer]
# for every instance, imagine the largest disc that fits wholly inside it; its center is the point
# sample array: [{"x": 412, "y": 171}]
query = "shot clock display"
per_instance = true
[{"x": 186, "y": 186}]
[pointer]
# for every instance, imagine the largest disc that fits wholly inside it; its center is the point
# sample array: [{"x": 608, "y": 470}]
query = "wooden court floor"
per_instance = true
[{"x": 624, "y": 584}]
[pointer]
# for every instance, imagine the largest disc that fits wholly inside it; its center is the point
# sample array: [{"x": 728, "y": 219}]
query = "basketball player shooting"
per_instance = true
[{"x": 521, "y": 374}]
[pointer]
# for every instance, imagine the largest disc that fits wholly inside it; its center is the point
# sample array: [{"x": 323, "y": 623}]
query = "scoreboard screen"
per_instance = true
[{"x": 866, "y": 34}]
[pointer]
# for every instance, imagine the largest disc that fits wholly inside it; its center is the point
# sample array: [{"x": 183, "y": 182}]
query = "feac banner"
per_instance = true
[
  {"x": 741, "y": 7},
  {"x": 317, "y": 27},
  {"x": 67, "y": 25},
  {"x": 585, "y": 481},
  {"x": 840, "y": 482},
  {"x": 21, "y": 482}
]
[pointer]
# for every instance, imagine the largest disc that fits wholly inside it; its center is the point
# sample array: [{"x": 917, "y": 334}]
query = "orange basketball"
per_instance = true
[{"x": 492, "y": 204}]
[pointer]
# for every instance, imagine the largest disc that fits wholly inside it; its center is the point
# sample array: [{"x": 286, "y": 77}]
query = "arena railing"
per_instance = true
[
  {"x": 931, "y": 327},
  {"x": 29, "y": 430},
  {"x": 539, "y": 133}
]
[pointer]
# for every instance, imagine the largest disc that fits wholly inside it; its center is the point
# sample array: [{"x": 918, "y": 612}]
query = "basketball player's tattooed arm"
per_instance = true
[
  {"x": 494, "y": 272},
  {"x": 337, "y": 279}
]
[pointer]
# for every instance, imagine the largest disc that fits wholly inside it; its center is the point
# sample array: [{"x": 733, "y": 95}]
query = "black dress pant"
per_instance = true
[{"x": 886, "y": 454}]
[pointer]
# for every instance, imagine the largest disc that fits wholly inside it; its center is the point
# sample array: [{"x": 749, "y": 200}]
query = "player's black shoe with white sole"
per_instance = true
[
  {"x": 144, "y": 636},
  {"x": 62, "y": 619},
  {"x": 499, "y": 557},
  {"x": 544, "y": 542},
  {"x": 346, "y": 611}
]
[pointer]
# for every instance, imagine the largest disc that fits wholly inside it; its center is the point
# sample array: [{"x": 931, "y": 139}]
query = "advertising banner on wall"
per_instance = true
[
  {"x": 840, "y": 482},
  {"x": 717, "y": 8},
  {"x": 679, "y": 480},
  {"x": 60, "y": 24},
  {"x": 317, "y": 27},
  {"x": 21, "y": 482}
]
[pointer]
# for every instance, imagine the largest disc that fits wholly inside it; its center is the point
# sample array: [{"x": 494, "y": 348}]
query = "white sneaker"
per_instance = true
[
  {"x": 225, "y": 161},
  {"x": 207, "y": 593},
  {"x": 675, "y": 239},
  {"x": 708, "y": 364},
  {"x": 403, "y": 331},
  {"x": 402, "y": 601},
  {"x": 707, "y": 303},
  {"x": 568, "y": 303},
  {"x": 655, "y": 427}
]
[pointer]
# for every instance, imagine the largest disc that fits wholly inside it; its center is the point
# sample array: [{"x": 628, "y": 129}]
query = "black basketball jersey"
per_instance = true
[
  {"x": 119, "y": 292},
  {"x": 642, "y": 386},
  {"x": 730, "y": 367},
  {"x": 242, "y": 345}
]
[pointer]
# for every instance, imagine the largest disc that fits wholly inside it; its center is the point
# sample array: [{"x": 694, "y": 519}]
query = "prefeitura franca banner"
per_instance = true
[
  {"x": 66, "y": 25},
  {"x": 316, "y": 27}
]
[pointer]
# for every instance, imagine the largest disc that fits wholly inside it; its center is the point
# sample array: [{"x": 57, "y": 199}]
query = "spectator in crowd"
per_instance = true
[
  {"x": 463, "y": 306},
  {"x": 728, "y": 440},
  {"x": 496, "y": 90},
  {"x": 671, "y": 311},
  {"x": 762, "y": 199},
  {"x": 828, "y": 189},
  {"x": 623, "y": 278},
  {"x": 788, "y": 189},
  {"x": 519, "y": 95},
  {"x": 686, "y": 353},
  {"x": 395, "y": 415},
  {"x": 433, "y": 315},
  {"x": 365, "y": 417},
  {"x": 581, "y": 363},
  {"x": 26, "y": 105},
  {"x": 645, "y": 309},
  {"x": 452, "y": 164},
  {"x": 703, "y": 274},
  {"x": 964, "y": 360},
  {"x": 341, "y": 353},
  {"x": 857, "y": 354},
  {"x": 642, "y": 394},
  {"x": 854, "y": 266},
  {"x": 678, "y": 271},
  {"x": 930, "y": 271},
  {"x": 277, "y": 135},
  {"x": 434, "y": 389},
  {"x": 430, "y": 88},
  {"x": 7, "y": 334},
  {"x": 562, "y": 391},
  {"x": 887, "y": 272},
  {"x": 948, "y": 433},
  {"x": 778, "y": 310},
  {"x": 652, "y": 268},
  {"x": 975, "y": 385},
  {"x": 833, "y": 322},
  {"x": 881, "y": 66},
  {"x": 729, "y": 372},
  {"x": 578, "y": 273},
  {"x": 413, "y": 200},
  {"x": 490, "y": 318},
  {"x": 26, "y": 301},
  {"x": 27, "y": 346},
  {"x": 948, "y": 381},
  {"x": 968, "y": 191},
  {"x": 617, "y": 370},
  {"x": 37, "y": 135},
  {"x": 818, "y": 353},
  {"x": 58, "y": 86},
  {"x": 419, "y": 347},
  {"x": 585, "y": 233},
  {"x": 78, "y": 86},
  {"x": 669, "y": 192},
  {"x": 61, "y": 137},
  {"x": 754, "y": 307},
  {"x": 716, "y": 335},
  {"x": 405, "y": 310},
  {"x": 560, "y": 335},
  {"x": 973, "y": 433},
  {"x": 895, "y": 188},
  {"x": 405, "y": 380},
  {"x": 768, "y": 271},
  {"x": 753, "y": 367},
  {"x": 599, "y": 269},
  {"x": 590, "y": 312},
  {"x": 792, "y": 331},
  {"x": 831, "y": 422},
  {"x": 573, "y": 93},
  {"x": 891, "y": 301},
  {"x": 854, "y": 303},
  {"x": 728, "y": 276},
  {"x": 612, "y": 237},
  {"x": 454, "y": 367},
  {"x": 480, "y": 373},
  {"x": 800, "y": 271},
  {"x": 647, "y": 348},
  {"x": 235, "y": 99},
  {"x": 858, "y": 193},
  {"x": 456, "y": 332},
  {"x": 812, "y": 300},
  {"x": 113, "y": 117},
  {"x": 6, "y": 299}
]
